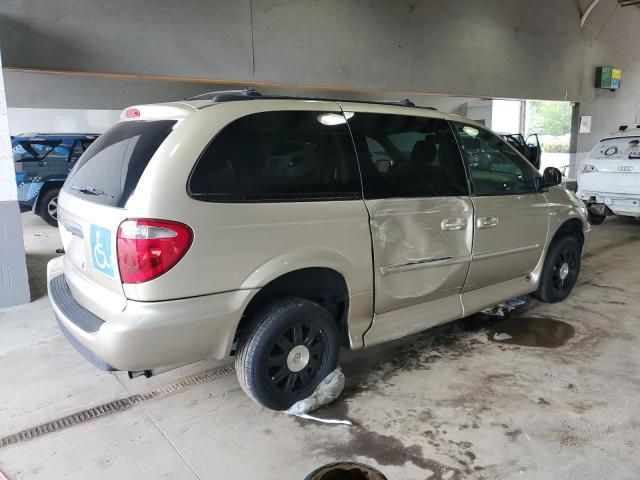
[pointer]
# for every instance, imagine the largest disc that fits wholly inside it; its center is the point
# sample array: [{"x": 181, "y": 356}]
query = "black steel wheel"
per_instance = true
[
  {"x": 561, "y": 269},
  {"x": 291, "y": 347}
]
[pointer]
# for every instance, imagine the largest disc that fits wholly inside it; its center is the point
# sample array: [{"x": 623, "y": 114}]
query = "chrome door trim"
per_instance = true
[
  {"x": 424, "y": 263},
  {"x": 499, "y": 253}
]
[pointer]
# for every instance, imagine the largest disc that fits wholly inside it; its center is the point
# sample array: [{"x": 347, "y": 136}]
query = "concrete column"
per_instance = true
[{"x": 14, "y": 282}]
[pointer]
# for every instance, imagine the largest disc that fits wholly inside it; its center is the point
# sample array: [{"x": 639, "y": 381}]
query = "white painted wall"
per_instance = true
[
  {"x": 14, "y": 281},
  {"x": 506, "y": 116},
  {"x": 8, "y": 191},
  {"x": 480, "y": 111},
  {"x": 54, "y": 120}
]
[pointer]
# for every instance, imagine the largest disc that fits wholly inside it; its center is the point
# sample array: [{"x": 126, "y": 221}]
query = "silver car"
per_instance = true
[{"x": 280, "y": 229}]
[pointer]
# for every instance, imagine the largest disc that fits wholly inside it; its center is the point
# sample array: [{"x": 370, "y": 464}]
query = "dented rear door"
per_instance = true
[{"x": 421, "y": 216}]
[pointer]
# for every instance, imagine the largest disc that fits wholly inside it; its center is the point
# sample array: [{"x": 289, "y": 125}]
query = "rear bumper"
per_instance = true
[
  {"x": 618, "y": 203},
  {"x": 148, "y": 335}
]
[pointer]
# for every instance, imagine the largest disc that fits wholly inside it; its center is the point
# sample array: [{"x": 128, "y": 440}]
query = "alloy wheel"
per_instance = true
[{"x": 52, "y": 208}]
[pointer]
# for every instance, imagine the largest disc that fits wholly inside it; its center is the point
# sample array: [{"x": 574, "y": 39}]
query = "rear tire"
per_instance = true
[
  {"x": 560, "y": 271},
  {"x": 290, "y": 347},
  {"x": 595, "y": 219},
  {"x": 48, "y": 206}
]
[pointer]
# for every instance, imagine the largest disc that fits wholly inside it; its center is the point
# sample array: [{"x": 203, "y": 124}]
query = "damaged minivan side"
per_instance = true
[{"x": 280, "y": 230}]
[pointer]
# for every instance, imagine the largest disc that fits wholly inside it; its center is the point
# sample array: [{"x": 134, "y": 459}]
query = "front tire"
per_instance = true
[
  {"x": 48, "y": 206},
  {"x": 291, "y": 346},
  {"x": 560, "y": 270}
]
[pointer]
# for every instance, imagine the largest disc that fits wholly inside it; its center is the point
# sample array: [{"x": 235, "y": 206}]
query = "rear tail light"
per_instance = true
[
  {"x": 148, "y": 248},
  {"x": 588, "y": 168}
]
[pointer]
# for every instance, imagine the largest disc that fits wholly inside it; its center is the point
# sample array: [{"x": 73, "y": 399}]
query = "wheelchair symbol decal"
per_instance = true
[{"x": 101, "y": 250}]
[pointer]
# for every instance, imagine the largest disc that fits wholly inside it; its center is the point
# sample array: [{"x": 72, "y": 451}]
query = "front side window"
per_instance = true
[
  {"x": 279, "y": 156},
  {"x": 496, "y": 169},
  {"x": 403, "y": 156}
]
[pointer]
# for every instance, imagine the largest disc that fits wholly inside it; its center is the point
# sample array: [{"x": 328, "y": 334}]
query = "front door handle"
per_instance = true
[
  {"x": 487, "y": 222},
  {"x": 453, "y": 224}
]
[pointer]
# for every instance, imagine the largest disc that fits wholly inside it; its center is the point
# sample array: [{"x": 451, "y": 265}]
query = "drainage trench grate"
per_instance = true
[{"x": 115, "y": 406}]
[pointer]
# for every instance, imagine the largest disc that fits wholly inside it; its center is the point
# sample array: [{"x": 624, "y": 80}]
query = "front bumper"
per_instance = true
[
  {"x": 618, "y": 203},
  {"x": 148, "y": 335}
]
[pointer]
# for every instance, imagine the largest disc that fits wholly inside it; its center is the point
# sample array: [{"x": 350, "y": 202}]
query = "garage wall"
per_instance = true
[
  {"x": 14, "y": 283},
  {"x": 55, "y": 91},
  {"x": 612, "y": 37},
  {"x": 55, "y": 120},
  {"x": 488, "y": 48}
]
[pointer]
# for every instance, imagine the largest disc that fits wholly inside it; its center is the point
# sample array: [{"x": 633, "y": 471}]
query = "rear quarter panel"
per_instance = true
[{"x": 244, "y": 245}]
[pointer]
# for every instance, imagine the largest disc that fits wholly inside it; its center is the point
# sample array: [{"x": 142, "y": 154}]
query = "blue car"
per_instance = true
[{"x": 43, "y": 162}]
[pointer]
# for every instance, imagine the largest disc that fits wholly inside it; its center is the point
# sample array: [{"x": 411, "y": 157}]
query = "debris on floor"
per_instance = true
[
  {"x": 329, "y": 389},
  {"x": 501, "y": 337},
  {"x": 505, "y": 308},
  {"x": 516, "y": 302}
]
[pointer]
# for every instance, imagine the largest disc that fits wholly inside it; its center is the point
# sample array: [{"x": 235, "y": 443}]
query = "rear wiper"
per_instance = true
[{"x": 90, "y": 191}]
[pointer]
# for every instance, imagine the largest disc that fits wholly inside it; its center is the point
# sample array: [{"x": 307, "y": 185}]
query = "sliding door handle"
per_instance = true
[
  {"x": 487, "y": 222},
  {"x": 453, "y": 224}
]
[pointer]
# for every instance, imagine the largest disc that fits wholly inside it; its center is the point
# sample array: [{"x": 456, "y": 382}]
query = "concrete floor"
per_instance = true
[{"x": 445, "y": 404}]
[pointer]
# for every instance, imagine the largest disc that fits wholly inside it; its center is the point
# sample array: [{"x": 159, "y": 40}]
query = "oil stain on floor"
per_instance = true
[{"x": 531, "y": 332}]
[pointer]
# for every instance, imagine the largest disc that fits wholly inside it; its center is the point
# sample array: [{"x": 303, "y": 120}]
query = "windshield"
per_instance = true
[{"x": 109, "y": 171}]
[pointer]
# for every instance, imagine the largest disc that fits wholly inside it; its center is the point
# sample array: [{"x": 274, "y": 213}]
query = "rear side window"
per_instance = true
[
  {"x": 278, "y": 156},
  {"x": 109, "y": 171},
  {"x": 403, "y": 156},
  {"x": 626, "y": 148}
]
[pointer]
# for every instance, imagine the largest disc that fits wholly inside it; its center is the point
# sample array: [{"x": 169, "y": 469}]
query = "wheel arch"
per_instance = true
[
  {"x": 572, "y": 226},
  {"x": 48, "y": 184},
  {"x": 323, "y": 285}
]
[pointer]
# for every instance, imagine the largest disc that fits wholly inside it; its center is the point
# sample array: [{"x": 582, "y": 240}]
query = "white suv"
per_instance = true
[
  {"x": 609, "y": 179},
  {"x": 280, "y": 229}
]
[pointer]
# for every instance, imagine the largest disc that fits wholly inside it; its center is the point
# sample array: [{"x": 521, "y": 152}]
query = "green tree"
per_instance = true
[{"x": 549, "y": 118}]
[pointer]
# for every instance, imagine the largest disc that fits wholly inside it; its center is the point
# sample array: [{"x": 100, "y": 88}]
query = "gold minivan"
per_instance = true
[{"x": 280, "y": 229}]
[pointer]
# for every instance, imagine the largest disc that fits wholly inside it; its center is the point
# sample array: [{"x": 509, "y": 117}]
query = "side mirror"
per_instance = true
[{"x": 551, "y": 177}]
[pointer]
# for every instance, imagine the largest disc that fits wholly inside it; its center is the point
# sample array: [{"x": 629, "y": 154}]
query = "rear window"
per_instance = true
[
  {"x": 627, "y": 148},
  {"x": 109, "y": 171},
  {"x": 279, "y": 156}
]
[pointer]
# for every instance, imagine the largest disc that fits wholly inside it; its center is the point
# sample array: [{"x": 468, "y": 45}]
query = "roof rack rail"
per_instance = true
[
  {"x": 251, "y": 93},
  {"x": 227, "y": 95}
]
